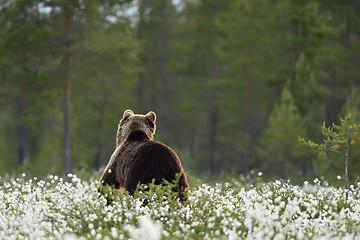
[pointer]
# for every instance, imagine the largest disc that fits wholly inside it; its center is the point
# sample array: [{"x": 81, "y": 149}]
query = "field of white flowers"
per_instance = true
[{"x": 55, "y": 208}]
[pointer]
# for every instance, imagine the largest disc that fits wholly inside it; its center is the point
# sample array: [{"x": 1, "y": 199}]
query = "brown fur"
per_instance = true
[{"x": 139, "y": 159}]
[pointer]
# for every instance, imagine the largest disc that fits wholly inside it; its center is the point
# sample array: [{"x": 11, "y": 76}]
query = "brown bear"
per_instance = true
[{"x": 139, "y": 159}]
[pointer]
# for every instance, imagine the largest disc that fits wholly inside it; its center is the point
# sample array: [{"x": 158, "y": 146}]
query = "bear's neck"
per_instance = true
[{"x": 137, "y": 135}]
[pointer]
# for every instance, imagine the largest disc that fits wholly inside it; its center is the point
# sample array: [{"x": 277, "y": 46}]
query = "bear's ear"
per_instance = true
[
  {"x": 151, "y": 116},
  {"x": 128, "y": 113}
]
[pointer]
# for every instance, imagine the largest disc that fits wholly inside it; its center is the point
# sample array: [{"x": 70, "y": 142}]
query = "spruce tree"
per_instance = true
[
  {"x": 253, "y": 46},
  {"x": 312, "y": 50},
  {"x": 278, "y": 151}
]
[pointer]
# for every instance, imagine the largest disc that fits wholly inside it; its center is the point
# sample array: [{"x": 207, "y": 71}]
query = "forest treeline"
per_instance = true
[{"x": 233, "y": 83}]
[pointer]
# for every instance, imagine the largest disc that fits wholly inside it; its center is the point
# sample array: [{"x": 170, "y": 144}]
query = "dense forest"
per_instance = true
[{"x": 233, "y": 83}]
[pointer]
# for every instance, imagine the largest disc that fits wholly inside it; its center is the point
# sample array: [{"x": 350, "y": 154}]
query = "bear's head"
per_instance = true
[{"x": 131, "y": 123}]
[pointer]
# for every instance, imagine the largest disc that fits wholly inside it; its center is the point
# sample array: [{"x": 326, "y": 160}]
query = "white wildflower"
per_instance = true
[
  {"x": 148, "y": 229},
  {"x": 114, "y": 233}
]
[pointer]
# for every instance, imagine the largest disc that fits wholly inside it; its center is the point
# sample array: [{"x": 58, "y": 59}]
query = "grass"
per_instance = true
[{"x": 242, "y": 208}]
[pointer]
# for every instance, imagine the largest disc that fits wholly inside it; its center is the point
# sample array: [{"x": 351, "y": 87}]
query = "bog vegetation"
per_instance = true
[{"x": 241, "y": 208}]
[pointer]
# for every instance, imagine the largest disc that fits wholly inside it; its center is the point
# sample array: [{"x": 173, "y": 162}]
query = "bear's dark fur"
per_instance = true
[{"x": 139, "y": 159}]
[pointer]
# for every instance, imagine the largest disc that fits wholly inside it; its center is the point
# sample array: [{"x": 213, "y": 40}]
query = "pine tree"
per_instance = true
[
  {"x": 88, "y": 47},
  {"x": 333, "y": 165},
  {"x": 352, "y": 106},
  {"x": 338, "y": 139},
  {"x": 54, "y": 47}
]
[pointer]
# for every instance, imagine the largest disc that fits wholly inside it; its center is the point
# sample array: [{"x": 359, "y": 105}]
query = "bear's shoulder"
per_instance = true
[
  {"x": 138, "y": 144},
  {"x": 155, "y": 146},
  {"x": 149, "y": 149}
]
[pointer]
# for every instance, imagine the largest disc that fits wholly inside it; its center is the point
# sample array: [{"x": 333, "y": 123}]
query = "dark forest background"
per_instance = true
[{"x": 233, "y": 83}]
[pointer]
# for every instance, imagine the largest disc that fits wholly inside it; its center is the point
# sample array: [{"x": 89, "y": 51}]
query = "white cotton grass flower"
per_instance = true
[
  {"x": 260, "y": 174},
  {"x": 338, "y": 177},
  {"x": 114, "y": 233},
  {"x": 148, "y": 229}
]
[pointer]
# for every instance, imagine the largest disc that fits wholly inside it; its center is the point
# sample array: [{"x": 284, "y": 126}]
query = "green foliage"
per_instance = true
[
  {"x": 312, "y": 38},
  {"x": 27, "y": 81},
  {"x": 108, "y": 60},
  {"x": 199, "y": 70},
  {"x": 157, "y": 31},
  {"x": 244, "y": 77},
  {"x": 105, "y": 64},
  {"x": 150, "y": 193},
  {"x": 352, "y": 105},
  {"x": 278, "y": 152},
  {"x": 337, "y": 138}
]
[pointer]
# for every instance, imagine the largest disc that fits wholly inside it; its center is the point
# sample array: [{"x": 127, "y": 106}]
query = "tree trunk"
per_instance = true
[
  {"x": 24, "y": 149},
  {"x": 67, "y": 139},
  {"x": 141, "y": 88},
  {"x": 23, "y": 144},
  {"x": 67, "y": 92},
  {"x": 213, "y": 120},
  {"x": 24, "y": 153},
  {"x": 347, "y": 151}
]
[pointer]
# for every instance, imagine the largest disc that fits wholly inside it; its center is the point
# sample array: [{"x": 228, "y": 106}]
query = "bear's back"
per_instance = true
[{"x": 143, "y": 161}]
